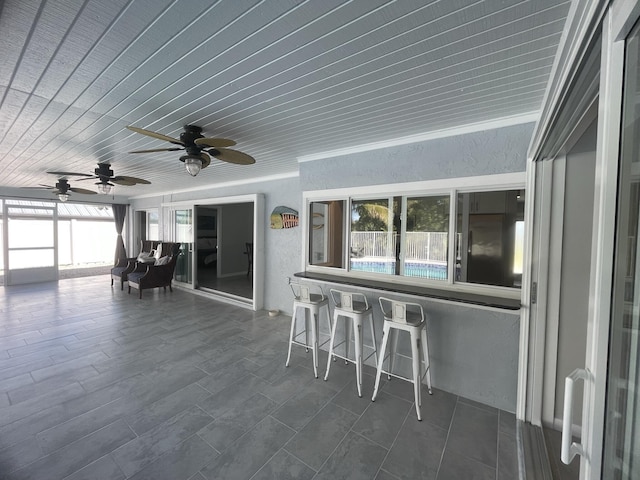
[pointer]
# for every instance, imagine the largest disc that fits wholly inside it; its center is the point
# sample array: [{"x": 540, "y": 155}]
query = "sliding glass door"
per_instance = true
[
  {"x": 609, "y": 444},
  {"x": 622, "y": 415},
  {"x": 222, "y": 250}
]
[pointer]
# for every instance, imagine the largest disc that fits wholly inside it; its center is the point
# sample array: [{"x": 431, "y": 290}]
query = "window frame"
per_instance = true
[{"x": 444, "y": 187}]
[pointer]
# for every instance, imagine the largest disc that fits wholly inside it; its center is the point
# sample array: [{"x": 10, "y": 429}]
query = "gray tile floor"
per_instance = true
[
  {"x": 97, "y": 384},
  {"x": 239, "y": 285},
  {"x": 560, "y": 471}
]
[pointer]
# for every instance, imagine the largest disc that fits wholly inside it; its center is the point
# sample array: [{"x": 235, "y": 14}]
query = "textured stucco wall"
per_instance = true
[
  {"x": 501, "y": 150},
  {"x": 474, "y": 353}
]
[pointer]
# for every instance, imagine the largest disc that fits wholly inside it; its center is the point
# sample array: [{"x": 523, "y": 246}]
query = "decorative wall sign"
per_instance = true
[{"x": 284, "y": 217}]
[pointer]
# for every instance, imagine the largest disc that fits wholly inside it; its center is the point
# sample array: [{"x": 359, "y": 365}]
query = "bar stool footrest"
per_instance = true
[
  {"x": 352, "y": 360},
  {"x": 301, "y": 344},
  {"x": 369, "y": 356}
]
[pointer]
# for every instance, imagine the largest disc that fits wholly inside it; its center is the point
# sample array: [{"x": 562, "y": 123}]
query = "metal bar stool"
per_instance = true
[
  {"x": 312, "y": 303},
  {"x": 352, "y": 306},
  {"x": 408, "y": 317}
]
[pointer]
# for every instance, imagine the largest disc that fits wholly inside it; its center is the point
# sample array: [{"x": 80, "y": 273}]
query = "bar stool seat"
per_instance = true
[
  {"x": 355, "y": 308},
  {"x": 311, "y": 303},
  {"x": 407, "y": 317}
]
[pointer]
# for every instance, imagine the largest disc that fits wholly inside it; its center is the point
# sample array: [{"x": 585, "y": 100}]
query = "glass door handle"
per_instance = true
[{"x": 570, "y": 449}]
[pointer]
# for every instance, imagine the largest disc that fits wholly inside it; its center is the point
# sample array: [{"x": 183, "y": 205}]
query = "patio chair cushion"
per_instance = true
[
  {"x": 163, "y": 260},
  {"x": 146, "y": 258}
]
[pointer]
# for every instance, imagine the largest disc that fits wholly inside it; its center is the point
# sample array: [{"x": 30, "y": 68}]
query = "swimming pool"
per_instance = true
[{"x": 411, "y": 269}]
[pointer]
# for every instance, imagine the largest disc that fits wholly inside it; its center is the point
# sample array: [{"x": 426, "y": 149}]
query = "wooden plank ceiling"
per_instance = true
[{"x": 283, "y": 78}]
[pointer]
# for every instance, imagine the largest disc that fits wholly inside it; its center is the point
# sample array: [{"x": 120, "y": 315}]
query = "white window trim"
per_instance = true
[{"x": 450, "y": 186}]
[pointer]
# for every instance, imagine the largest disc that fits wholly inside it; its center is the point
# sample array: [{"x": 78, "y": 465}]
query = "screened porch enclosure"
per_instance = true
[{"x": 85, "y": 236}]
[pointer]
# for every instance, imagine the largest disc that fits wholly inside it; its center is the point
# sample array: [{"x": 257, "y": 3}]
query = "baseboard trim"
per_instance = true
[
  {"x": 533, "y": 461},
  {"x": 218, "y": 295}
]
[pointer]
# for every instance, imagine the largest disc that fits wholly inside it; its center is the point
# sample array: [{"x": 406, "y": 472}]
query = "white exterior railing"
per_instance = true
[
  {"x": 373, "y": 244},
  {"x": 426, "y": 246}
]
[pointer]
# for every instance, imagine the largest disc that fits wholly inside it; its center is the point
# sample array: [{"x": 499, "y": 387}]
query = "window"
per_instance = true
[
  {"x": 427, "y": 237},
  {"x": 374, "y": 233},
  {"x": 326, "y": 233},
  {"x": 490, "y": 226},
  {"x": 381, "y": 242},
  {"x": 147, "y": 225},
  {"x": 153, "y": 232},
  {"x": 411, "y": 235},
  {"x": 86, "y": 235}
]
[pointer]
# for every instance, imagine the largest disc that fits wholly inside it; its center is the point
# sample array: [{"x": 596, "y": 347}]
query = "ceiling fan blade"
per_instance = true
[
  {"x": 232, "y": 156},
  {"x": 41, "y": 187},
  {"x": 134, "y": 180},
  {"x": 154, "y": 135},
  {"x": 65, "y": 174},
  {"x": 123, "y": 181},
  {"x": 91, "y": 177},
  {"x": 153, "y": 150},
  {"x": 214, "y": 142},
  {"x": 82, "y": 190}
]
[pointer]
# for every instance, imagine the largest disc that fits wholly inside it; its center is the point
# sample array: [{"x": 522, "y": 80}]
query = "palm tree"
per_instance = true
[{"x": 370, "y": 216}]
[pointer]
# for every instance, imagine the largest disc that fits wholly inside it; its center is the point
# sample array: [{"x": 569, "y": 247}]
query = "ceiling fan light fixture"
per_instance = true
[
  {"x": 104, "y": 188},
  {"x": 63, "y": 197},
  {"x": 199, "y": 149},
  {"x": 193, "y": 164}
]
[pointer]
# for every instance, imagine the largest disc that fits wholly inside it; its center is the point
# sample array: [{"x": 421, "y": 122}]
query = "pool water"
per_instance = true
[{"x": 411, "y": 269}]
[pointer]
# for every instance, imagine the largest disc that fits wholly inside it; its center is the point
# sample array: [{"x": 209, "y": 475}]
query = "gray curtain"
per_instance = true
[{"x": 119, "y": 213}]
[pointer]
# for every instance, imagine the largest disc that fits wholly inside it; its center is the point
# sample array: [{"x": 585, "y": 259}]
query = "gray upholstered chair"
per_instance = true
[
  {"x": 125, "y": 266},
  {"x": 159, "y": 274}
]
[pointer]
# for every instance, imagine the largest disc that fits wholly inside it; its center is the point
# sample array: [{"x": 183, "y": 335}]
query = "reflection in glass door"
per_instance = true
[
  {"x": 183, "y": 233},
  {"x": 622, "y": 417},
  {"x": 31, "y": 241}
]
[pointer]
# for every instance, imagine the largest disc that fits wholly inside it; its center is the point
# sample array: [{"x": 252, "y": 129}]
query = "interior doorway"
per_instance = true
[{"x": 224, "y": 241}]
